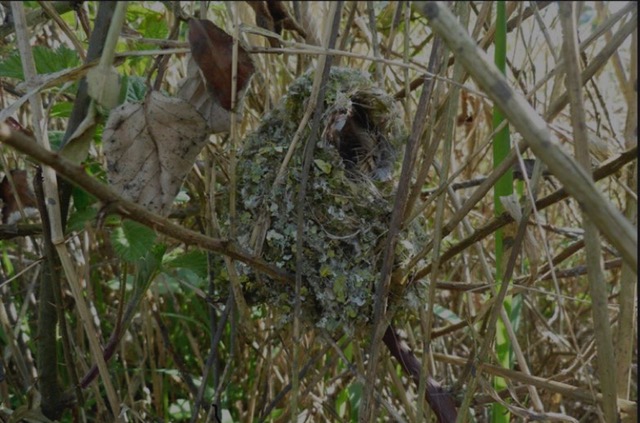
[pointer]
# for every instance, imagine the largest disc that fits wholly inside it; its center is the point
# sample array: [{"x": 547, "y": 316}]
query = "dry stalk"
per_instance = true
[{"x": 597, "y": 284}]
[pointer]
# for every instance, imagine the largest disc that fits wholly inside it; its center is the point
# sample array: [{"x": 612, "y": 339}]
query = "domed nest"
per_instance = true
[{"x": 349, "y": 200}]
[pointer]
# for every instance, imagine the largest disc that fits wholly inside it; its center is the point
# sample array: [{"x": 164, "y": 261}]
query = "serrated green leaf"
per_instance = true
[
  {"x": 47, "y": 60},
  {"x": 78, "y": 218},
  {"x": 136, "y": 88},
  {"x": 11, "y": 67},
  {"x": 132, "y": 241},
  {"x": 195, "y": 260}
]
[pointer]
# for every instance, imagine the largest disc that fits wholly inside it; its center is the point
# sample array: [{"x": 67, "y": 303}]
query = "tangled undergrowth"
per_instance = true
[{"x": 185, "y": 348}]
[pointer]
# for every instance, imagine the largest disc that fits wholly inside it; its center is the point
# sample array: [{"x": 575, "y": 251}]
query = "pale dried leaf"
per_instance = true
[
  {"x": 150, "y": 147},
  {"x": 77, "y": 147},
  {"x": 104, "y": 85},
  {"x": 195, "y": 91}
]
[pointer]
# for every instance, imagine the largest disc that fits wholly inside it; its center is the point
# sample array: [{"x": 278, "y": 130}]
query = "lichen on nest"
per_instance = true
[{"x": 349, "y": 200}]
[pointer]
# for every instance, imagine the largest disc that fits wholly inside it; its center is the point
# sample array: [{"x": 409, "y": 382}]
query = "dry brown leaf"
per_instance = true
[
  {"x": 274, "y": 16},
  {"x": 212, "y": 50},
  {"x": 10, "y": 205},
  {"x": 150, "y": 147}
]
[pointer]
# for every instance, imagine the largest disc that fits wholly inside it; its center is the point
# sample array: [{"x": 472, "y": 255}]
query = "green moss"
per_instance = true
[{"x": 346, "y": 217}]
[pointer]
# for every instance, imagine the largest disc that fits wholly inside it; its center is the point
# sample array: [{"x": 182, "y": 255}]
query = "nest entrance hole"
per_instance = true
[{"x": 359, "y": 139}]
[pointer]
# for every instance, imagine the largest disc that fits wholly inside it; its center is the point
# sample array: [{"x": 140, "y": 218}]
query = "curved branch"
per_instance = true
[
  {"x": 441, "y": 401},
  {"x": 116, "y": 204}
]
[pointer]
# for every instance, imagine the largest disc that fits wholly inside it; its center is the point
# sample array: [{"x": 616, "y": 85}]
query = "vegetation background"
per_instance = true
[{"x": 566, "y": 347}]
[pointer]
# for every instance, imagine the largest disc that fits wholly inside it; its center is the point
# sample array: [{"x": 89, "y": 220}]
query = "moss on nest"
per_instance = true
[{"x": 347, "y": 212}]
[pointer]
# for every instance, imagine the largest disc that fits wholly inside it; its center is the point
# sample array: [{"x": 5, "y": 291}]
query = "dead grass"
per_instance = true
[{"x": 185, "y": 330}]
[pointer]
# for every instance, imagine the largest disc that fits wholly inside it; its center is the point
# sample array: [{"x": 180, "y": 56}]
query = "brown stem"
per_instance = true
[
  {"x": 442, "y": 402},
  {"x": 498, "y": 222},
  {"x": 48, "y": 382},
  {"x": 115, "y": 203}
]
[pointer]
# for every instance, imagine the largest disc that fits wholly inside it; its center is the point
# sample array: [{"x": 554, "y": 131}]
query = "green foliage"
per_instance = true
[
  {"x": 61, "y": 109},
  {"x": 180, "y": 410},
  {"x": 503, "y": 187},
  {"x": 154, "y": 25},
  {"x": 133, "y": 89},
  {"x": 79, "y": 218},
  {"x": 55, "y": 139},
  {"x": 47, "y": 61},
  {"x": 6, "y": 261},
  {"x": 132, "y": 240},
  {"x": 345, "y": 226},
  {"x": 194, "y": 260}
]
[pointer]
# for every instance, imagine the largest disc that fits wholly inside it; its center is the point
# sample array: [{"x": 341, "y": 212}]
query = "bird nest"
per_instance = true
[{"x": 349, "y": 200}]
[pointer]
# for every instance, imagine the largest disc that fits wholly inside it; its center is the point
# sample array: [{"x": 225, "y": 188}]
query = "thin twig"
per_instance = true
[
  {"x": 115, "y": 203},
  {"x": 534, "y": 129}
]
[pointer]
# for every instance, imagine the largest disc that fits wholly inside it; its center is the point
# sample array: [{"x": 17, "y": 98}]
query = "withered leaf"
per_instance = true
[
  {"x": 274, "y": 16},
  {"x": 10, "y": 205},
  {"x": 212, "y": 49},
  {"x": 150, "y": 147},
  {"x": 194, "y": 90}
]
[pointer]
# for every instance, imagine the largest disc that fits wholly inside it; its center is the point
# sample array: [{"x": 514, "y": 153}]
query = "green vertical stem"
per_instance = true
[{"x": 503, "y": 187}]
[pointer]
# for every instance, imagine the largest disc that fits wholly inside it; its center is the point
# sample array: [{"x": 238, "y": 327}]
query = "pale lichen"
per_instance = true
[{"x": 346, "y": 211}]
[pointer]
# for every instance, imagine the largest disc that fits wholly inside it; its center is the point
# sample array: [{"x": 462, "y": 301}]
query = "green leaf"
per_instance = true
[
  {"x": 55, "y": 139},
  {"x": 355, "y": 393},
  {"x": 341, "y": 402},
  {"x": 133, "y": 89},
  {"x": 194, "y": 260},
  {"x": 325, "y": 167},
  {"x": 6, "y": 261},
  {"x": 180, "y": 410},
  {"x": 78, "y": 219},
  {"x": 147, "y": 267},
  {"x": 82, "y": 199},
  {"x": 61, "y": 109},
  {"x": 155, "y": 26},
  {"x": 47, "y": 60},
  {"x": 11, "y": 67},
  {"x": 132, "y": 240}
]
